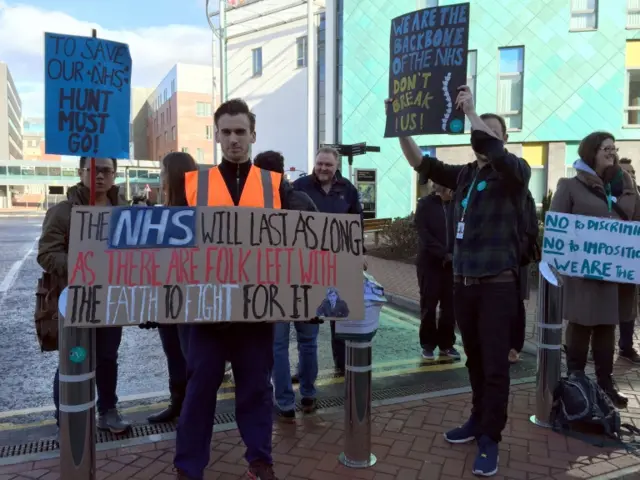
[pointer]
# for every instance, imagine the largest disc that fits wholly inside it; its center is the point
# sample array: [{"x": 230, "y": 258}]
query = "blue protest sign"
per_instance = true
[
  {"x": 87, "y": 96},
  {"x": 152, "y": 227}
]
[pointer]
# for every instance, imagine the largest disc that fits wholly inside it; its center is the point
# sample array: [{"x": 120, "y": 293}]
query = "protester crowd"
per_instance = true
[{"x": 477, "y": 239}]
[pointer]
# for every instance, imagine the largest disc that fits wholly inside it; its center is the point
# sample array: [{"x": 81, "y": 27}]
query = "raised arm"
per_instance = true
[
  {"x": 486, "y": 142},
  {"x": 432, "y": 168}
]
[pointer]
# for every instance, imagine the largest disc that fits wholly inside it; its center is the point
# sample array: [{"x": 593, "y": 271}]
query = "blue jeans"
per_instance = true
[
  {"x": 107, "y": 345},
  {"x": 175, "y": 339},
  {"x": 307, "y": 335}
]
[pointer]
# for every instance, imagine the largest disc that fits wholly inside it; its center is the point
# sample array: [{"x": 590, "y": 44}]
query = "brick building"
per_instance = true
[{"x": 180, "y": 115}]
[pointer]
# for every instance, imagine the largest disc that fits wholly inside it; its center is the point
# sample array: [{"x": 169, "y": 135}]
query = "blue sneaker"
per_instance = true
[
  {"x": 462, "y": 434},
  {"x": 427, "y": 354},
  {"x": 486, "y": 462},
  {"x": 451, "y": 353}
]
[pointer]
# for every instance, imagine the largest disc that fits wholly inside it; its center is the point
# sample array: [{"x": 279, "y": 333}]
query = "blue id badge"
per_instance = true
[{"x": 460, "y": 230}]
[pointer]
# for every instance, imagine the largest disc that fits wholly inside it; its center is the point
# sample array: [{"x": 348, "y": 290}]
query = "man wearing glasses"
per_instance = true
[{"x": 52, "y": 257}]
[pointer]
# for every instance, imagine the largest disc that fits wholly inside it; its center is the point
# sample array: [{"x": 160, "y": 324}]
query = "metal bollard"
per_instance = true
[
  {"x": 549, "y": 318},
  {"x": 77, "y": 403},
  {"x": 357, "y": 418}
]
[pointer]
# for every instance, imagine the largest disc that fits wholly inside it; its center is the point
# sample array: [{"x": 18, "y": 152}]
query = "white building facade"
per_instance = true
[{"x": 269, "y": 51}]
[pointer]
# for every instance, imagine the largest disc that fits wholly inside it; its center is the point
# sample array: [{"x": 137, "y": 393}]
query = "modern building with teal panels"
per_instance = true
[{"x": 555, "y": 69}]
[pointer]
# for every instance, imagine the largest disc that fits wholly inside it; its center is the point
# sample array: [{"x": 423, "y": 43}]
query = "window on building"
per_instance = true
[
  {"x": 165, "y": 94},
  {"x": 162, "y": 118},
  {"x": 633, "y": 13},
  {"x": 472, "y": 73},
  {"x": 632, "y": 112},
  {"x": 203, "y": 109},
  {"x": 427, "y": 3},
  {"x": 200, "y": 155},
  {"x": 173, "y": 86},
  {"x": 538, "y": 183},
  {"x": 510, "y": 86},
  {"x": 169, "y": 114},
  {"x": 166, "y": 136},
  {"x": 208, "y": 132},
  {"x": 584, "y": 15},
  {"x": 185, "y": 150},
  {"x": 301, "y": 52},
  {"x": 256, "y": 57},
  {"x": 173, "y": 133}
]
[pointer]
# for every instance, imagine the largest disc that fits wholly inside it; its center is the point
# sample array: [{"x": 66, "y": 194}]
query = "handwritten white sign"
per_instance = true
[{"x": 592, "y": 247}]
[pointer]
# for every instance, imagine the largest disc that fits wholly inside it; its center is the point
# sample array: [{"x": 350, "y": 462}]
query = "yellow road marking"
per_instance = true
[{"x": 412, "y": 366}]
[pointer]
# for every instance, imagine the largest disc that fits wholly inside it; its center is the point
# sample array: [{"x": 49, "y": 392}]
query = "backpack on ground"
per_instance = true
[
  {"x": 46, "y": 313},
  {"x": 581, "y": 409}
]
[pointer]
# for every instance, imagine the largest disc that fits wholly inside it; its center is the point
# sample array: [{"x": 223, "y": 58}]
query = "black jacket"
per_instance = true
[
  {"x": 434, "y": 221},
  {"x": 297, "y": 199},
  {"x": 235, "y": 176}
]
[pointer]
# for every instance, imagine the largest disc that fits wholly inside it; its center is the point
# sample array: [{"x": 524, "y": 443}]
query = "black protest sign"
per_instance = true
[{"x": 428, "y": 63}]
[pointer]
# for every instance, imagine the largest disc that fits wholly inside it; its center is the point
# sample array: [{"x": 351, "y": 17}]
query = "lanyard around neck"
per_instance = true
[{"x": 467, "y": 198}]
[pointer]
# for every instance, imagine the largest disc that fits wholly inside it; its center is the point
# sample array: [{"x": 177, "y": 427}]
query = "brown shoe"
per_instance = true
[
  {"x": 514, "y": 356},
  {"x": 180, "y": 475},
  {"x": 261, "y": 471}
]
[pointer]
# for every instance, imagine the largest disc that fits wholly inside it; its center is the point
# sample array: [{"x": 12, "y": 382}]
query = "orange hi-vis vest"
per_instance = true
[{"x": 206, "y": 187}]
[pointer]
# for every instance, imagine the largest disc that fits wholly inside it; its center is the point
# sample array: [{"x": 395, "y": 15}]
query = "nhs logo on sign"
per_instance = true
[{"x": 146, "y": 227}]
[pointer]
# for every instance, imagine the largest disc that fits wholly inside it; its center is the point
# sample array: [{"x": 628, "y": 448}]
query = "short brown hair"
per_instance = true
[
  {"x": 235, "y": 106},
  {"x": 330, "y": 151},
  {"x": 590, "y": 145},
  {"x": 495, "y": 116}
]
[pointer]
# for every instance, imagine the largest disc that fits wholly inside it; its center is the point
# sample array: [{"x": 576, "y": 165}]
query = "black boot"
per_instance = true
[
  {"x": 603, "y": 359},
  {"x": 173, "y": 409},
  {"x": 608, "y": 386}
]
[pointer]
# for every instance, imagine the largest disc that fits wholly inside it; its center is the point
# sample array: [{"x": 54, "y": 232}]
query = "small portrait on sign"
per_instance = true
[{"x": 333, "y": 306}]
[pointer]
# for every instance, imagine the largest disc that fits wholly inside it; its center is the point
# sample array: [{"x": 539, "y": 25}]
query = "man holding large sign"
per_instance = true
[
  {"x": 428, "y": 62},
  {"x": 229, "y": 271},
  {"x": 589, "y": 238}
]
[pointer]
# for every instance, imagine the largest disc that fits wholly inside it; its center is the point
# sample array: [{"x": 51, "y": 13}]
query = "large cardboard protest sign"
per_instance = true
[
  {"x": 130, "y": 265},
  {"x": 87, "y": 96},
  {"x": 428, "y": 63},
  {"x": 592, "y": 247}
]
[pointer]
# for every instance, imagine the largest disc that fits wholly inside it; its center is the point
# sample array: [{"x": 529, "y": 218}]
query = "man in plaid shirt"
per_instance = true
[{"x": 486, "y": 259}]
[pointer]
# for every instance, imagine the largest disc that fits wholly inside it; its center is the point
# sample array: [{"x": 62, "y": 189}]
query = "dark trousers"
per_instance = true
[
  {"x": 485, "y": 314},
  {"x": 338, "y": 348},
  {"x": 519, "y": 327},
  {"x": 627, "y": 330},
  {"x": 107, "y": 344},
  {"x": 250, "y": 350},
  {"x": 602, "y": 338},
  {"x": 174, "y": 340},
  {"x": 436, "y": 287}
]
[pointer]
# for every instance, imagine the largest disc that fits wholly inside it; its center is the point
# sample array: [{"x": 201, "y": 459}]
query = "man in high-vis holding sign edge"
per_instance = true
[{"x": 249, "y": 346}]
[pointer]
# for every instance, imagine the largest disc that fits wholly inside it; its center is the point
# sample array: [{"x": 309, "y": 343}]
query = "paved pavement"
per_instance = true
[{"x": 406, "y": 439}]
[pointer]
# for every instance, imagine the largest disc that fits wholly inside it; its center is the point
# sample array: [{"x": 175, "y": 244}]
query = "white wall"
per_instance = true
[{"x": 279, "y": 96}]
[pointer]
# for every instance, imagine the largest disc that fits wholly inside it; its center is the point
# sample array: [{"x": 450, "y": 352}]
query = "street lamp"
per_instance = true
[{"x": 221, "y": 33}]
